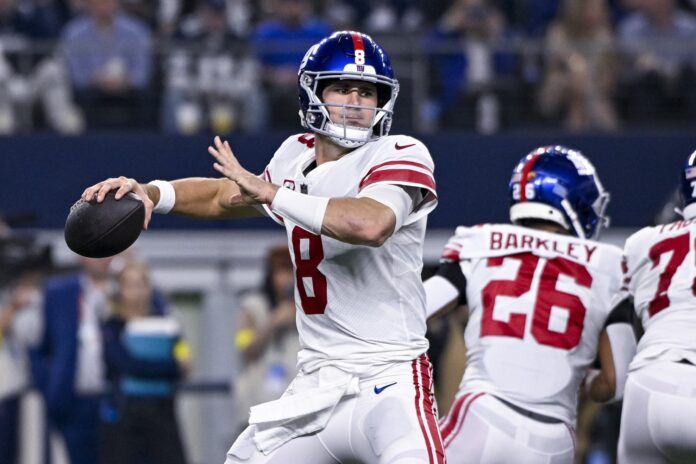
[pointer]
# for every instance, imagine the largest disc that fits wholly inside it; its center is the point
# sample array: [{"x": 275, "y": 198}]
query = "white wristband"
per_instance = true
[
  {"x": 167, "y": 196},
  {"x": 306, "y": 211}
]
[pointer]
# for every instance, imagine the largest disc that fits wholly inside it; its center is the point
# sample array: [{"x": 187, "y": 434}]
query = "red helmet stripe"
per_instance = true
[
  {"x": 357, "y": 41},
  {"x": 525, "y": 172}
]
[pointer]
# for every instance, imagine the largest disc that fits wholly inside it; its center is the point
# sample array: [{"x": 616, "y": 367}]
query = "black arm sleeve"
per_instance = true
[
  {"x": 453, "y": 273},
  {"x": 622, "y": 312}
]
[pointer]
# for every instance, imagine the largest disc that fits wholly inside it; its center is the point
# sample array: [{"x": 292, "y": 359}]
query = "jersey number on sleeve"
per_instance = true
[
  {"x": 548, "y": 297},
  {"x": 311, "y": 283},
  {"x": 679, "y": 247}
]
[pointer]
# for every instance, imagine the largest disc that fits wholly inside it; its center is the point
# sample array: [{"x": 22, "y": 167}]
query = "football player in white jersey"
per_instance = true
[
  {"x": 658, "y": 421},
  {"x": 539, "y": 296},
  {"x": 354, "y": 203}
]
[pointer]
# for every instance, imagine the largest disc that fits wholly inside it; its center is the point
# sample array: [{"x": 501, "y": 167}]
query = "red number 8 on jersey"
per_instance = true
[{"x": 311, "y": 283}]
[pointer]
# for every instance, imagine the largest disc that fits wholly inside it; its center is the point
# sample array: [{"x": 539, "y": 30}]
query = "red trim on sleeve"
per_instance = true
[
  {"x": 398, "y": 176},
  {"x": 449, "y": 254},
  {"x": 392, "y": 163}
]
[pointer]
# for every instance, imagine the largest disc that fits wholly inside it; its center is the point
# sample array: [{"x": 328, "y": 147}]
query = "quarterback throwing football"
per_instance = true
[{"x": 354, "y": 203}]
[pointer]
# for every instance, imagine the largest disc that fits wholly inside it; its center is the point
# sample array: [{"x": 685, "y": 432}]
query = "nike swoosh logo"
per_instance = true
[
  {"x": 401, "y": 147},
  {"x": 380, "y": 390}
]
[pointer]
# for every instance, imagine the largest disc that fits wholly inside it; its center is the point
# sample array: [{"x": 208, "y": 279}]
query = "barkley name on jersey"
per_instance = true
[
  {"x": 538, "y": 302},
  {"x": 358, "y": 306}
]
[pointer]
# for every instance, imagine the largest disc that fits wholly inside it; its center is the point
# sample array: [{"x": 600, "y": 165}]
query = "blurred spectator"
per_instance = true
[
  {"x": 580, "y": 67},
  {"x": 28, "y": 73},
  {"x": 468, "y": 66},
  {"x": 267, "y": 337},
  {"x": 393, "y": 16},
  {"x": 659, "y": 41},
  {"x": 210, "y": 82},
  {"x": 145, "y": 357},
  {"x": 280, "y": 45},
  {"x": 239, "y": 15},
  {"x": 20, "y": 329},
  {"x": 160, "y": 15},
  {"x": 69, "y": 369},
  {"x": 110, "y": 61}
]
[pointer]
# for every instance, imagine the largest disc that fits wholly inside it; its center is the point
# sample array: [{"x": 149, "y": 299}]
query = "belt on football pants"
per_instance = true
[{"x": 532, "y": 415}]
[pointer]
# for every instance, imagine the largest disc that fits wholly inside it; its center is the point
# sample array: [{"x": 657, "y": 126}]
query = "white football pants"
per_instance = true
[
  {"x": 479, "y": 429},
  {"x": 658, "y": 420},
  {"x": 393, "y": 420}
]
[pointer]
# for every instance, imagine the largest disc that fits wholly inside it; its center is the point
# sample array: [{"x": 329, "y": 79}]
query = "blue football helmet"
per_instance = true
[
  {"x": 346, "y": 55},
  {"x": 687, "y": 188},
  {"x": 560, "y": 185}
]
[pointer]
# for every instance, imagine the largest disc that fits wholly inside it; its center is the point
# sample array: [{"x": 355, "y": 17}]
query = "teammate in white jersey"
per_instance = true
[
  {"x": 539, "y": 296},
  {"x": 658, "y": 421},
  {"x": 354, "y": 202}
]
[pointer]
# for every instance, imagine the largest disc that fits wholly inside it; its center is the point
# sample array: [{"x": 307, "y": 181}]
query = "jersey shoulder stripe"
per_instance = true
[{"x": 401, "y": 160}]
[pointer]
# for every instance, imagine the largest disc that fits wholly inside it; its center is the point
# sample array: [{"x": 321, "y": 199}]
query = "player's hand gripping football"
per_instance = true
[
  {"x": 252, "y": 189},
  {"x": 122, "y": 185}
]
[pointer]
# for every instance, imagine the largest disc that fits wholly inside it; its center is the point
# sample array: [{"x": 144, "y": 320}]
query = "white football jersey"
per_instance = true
[
  {"x": 660, "y": 272},
  {"x": 358, "y": 306},
  {"x": 538, "y": 302}
]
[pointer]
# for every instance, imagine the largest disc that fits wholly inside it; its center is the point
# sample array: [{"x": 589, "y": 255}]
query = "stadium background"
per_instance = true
[{"x": 482, "y": 83}]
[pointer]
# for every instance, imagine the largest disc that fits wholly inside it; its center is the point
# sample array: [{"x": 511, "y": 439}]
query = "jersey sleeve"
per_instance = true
[
  {"x": 454, "y": 256},
  {"x": 271, "y": 171},
  {"x": 450, "y": 253},
  {"x": 405, "y": 161},
  {"x": 632, "y": 258},
  {"x": 466, "y": 244}
]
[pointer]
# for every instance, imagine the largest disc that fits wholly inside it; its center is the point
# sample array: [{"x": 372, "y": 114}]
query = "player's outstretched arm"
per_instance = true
[
  {"x": 206, "y": 198},
  {"x": 202, "y": 198},
  {"x": 197, "y": 197}
]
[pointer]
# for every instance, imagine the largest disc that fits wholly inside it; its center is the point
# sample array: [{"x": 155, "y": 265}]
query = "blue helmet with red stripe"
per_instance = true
[
  {"x": 346, "y": 55},
  {"x": 559, "y": 185},
  {"x": 688, "y": 187}
]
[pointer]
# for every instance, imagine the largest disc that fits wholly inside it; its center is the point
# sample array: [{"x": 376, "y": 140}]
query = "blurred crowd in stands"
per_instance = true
[{"x": 190, "y": 66}]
